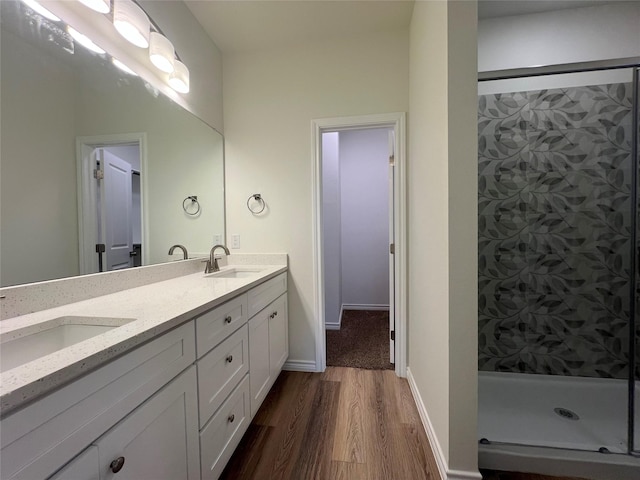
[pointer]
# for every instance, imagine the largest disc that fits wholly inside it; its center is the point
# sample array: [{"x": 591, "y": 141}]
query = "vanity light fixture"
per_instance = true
[
  {"x": 131, "y": 22},
  {"x": 123, "y": 67},
  {"x": 161, "y": 52},
  {"x": 102, "y": 6},
  {"x": 84, "y": 41},
  {"x": 36, "y": 7},
  {"x": 179, "y": 78}
]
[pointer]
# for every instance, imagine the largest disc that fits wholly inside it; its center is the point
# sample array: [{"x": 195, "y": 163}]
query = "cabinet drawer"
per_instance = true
[
  {"x": 264, "y": 294},
  {"x": 217, "y": 324},
  {"x": 220, "y": 370},
  {"x": 45, "y": 435},
  {"x": 222, "y": 434}
]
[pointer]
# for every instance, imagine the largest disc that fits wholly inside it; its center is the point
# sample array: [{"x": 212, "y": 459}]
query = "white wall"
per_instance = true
[
  {"x": 270, "y": 98},
  {"x": 331, "y": 228},
  {"x": 442, "y": 219},
  {"x": 364, "y": 202},
  {"x": 564, "y": 36}
]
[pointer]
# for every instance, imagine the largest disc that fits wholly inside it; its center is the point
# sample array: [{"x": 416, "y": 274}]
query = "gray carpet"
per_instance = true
[{"x": 361, "y": 342}]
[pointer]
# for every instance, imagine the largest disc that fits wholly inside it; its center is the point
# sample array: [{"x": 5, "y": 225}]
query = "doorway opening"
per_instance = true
[
  {"x": 110, "y": 173},
  {"x": 359, "y": 254},
  {"x": 357, "y": 230}
]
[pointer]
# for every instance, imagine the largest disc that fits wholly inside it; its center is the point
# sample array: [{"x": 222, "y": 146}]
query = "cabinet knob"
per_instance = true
[
  {"x": 230, "y": 359},
  {"x": 117, "y": 464},
  {"x": 275, "y": 314},
  {"x": 228, "y": 319},
  {"x": 271, "y": 316},
  {"x": 231, "y": 418}
]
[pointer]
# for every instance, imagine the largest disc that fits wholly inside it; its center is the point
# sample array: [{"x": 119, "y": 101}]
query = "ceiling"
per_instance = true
[
  {"x": 240, "y": 26},
  {"x": 246, "y": 25}
]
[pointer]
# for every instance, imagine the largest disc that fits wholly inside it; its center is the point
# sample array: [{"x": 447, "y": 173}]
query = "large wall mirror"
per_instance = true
[{"x": 92, "y": 155}]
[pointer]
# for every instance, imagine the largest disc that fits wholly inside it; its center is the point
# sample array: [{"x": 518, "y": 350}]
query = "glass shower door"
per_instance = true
[{"x": 556, "y": 222}]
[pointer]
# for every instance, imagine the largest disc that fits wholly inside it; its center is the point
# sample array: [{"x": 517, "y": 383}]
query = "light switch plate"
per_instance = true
[{"x": 235, "y": 240}]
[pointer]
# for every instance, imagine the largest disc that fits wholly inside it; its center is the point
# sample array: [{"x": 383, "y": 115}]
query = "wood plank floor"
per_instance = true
[{"x": 343, "y": 424}]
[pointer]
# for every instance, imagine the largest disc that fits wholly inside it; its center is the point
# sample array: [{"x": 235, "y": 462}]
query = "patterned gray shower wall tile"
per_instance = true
[
  {"x": 580, "y": 191},
  {"x": 579, "y": 107},
  {"x": 589, "y": 148},
  {"x": 501, "y": 113},
  {"x": 554, "y": 231},
  {"x": 514, "y": 246}
]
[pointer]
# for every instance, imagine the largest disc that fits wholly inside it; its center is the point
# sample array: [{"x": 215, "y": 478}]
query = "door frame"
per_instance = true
[
  {"x": 396, "y": 121},
  {"x": 86, "y": 187}
]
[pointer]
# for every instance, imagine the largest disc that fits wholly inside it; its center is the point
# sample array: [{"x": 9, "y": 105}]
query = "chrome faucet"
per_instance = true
[
  {"x": 212, "y": 263},
  {"x": 184, "y": 251}
]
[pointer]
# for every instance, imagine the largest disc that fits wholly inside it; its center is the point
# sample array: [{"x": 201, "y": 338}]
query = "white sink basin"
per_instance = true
[
  {"x": 18, "y": 347},
  {"x": 236, "y": 272}
]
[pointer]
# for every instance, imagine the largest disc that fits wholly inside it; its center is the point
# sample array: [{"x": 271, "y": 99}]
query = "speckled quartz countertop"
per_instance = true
[{"x": 155, "y": 308}]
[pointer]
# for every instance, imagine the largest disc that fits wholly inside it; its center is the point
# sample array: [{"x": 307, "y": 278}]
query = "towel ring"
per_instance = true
[
  {"x": 193, "y": 199},
  {"x": 261, "y": 203}
]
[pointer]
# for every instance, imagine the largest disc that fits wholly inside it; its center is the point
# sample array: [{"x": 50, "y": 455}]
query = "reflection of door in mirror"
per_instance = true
[{"x": 111, "y": 212}]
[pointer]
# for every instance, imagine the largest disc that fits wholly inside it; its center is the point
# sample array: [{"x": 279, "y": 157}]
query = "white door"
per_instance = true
[
  {"x": 392, "y": 282},
  {"x": 116, "y": 206}
]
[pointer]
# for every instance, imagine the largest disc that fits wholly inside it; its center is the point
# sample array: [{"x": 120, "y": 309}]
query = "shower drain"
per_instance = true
[{"x": 566, "y": 413}]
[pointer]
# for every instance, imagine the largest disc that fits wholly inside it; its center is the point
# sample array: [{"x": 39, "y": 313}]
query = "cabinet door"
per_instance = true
[
  {"x": 159, "y": 439},
  {"x": 85, "y": 466},
  {"x": 278, "y": 335},
  {"x": 259, "y": 371}
]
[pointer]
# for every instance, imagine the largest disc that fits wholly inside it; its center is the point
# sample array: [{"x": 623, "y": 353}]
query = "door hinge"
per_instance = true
[
  {"x": 392, "y": 160},
  {"x": 393, "y": 335},
  {"x": 392, "y": 248},
  {"x": 98, "y": 174}
]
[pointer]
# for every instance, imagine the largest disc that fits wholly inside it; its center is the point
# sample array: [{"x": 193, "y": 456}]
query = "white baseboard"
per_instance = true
[
  {"x": 359, "y": 306},
  {"x": 436, "y": 448},
  {"x": 332, "y": 326},
  {"x": 300, "y": 366}
]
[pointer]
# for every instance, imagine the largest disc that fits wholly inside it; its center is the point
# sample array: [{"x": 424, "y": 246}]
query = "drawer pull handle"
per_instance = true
[
  {"x": 230, "y": 359},
  {"x": 117, "y": 464},
  {"x": 228, "y": 319},
  {"x": 231, "y": 418}
]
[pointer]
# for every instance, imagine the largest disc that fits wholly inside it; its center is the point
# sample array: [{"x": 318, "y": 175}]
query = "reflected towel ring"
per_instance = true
[
  {"x": 194, "y": 199},
  {"x": 258, "y": 198}
]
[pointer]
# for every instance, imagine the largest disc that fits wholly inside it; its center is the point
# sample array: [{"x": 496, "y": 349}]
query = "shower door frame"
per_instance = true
[{"x": 632, "y": 63}]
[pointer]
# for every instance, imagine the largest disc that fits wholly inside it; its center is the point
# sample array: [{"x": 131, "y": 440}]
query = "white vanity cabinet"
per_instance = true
[
  {"x": 268, "y": 337},
  {"x": 173, "y": 408}
]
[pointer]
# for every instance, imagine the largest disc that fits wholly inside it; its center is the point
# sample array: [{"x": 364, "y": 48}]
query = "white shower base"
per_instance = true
[{"x": 518, "y": 410}]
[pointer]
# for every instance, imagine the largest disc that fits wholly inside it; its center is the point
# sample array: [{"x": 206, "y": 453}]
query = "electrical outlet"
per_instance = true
[
  {"x": 235, "y": 240},
  {"x": 217, "y": 239}
]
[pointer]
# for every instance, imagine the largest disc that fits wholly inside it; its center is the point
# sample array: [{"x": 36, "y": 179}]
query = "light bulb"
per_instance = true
[
  {"x": 131, "y": 22},
  {"x": 161, "y": 52},
  {"x": 179, "y": 78}
]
